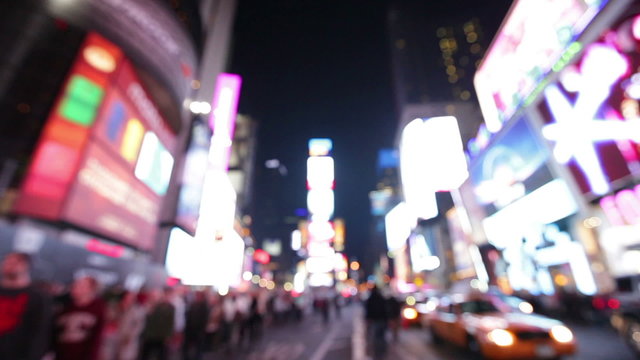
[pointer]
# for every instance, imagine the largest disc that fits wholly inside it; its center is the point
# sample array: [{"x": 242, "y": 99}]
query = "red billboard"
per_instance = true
[{"x": 104, "y": 159}]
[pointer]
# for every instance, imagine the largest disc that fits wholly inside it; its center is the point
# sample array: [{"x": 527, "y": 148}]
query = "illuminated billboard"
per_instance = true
[
  {"x": 530, "y": 42},
  {"x": 592, "y": 112},
  {"x": 513, "y": 166},
  {"x": 105, "y": 156},
  {"x": 431, "y": 160}
]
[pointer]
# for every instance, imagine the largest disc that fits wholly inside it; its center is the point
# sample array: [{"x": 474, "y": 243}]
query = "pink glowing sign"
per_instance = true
[
  {"x": 622, "y": 208},
  {"x": 530, "y": 41},
  {"x": 223, "y": 118}
]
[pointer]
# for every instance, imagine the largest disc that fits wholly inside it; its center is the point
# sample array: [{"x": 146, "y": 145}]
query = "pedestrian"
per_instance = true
[
  {"x": 377, "y": 316},
  {"x": 175, "y": 296},
  {"x": 197, "y": 316},
  {"x": 130, "y": 323},
  {"x": 158, "y": 327},
  {"x": 25, "y": 313},
  {"x": 78, "y": 327},
  {"x": 215, "y": 320},
  {"x": 394, "y": 308}
]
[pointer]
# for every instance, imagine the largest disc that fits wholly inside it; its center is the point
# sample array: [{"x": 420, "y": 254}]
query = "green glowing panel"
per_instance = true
[{"x": 81, "y": 101}]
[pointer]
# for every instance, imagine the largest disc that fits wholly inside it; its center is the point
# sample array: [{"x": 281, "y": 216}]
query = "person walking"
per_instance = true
[
  {"x": 376, "y": 315},
  {"x": 158, "y": 327},
  {"x": 25, "y": 313},
  {"x": 197, "y": 316},
  {"x": 78, "y": 327},
  {"x": 129, "y": 326}
]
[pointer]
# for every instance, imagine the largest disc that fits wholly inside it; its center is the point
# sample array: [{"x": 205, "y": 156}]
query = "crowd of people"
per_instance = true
[{"x": 86, "y": 322}]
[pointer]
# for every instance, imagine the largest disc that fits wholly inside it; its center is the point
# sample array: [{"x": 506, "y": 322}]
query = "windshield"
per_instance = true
[{"x": 477, "y": 307}]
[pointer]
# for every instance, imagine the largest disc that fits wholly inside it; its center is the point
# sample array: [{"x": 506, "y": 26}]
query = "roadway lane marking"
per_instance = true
[
  {"x": 322, "y": 350},
  {"x": 358, "y": 341}
]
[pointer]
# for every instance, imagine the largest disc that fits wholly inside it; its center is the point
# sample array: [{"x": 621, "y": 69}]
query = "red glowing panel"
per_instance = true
[
  {"x": 97, "y": 246},
  {"x": 261, "y": 256},
  {"x": 66, "y": 133},
  {"x": 55, "y": 161}
]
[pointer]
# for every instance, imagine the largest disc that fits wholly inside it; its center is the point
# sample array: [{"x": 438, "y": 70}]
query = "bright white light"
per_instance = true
[
  {"x": 320, "y": 279},
  {"x": 576, "y": 128},
  {"x": 561, "y": 334},
  {"x": 320, "y": 202},
  {"x": 247, "y": 275},
  {"x": 501, "y": 337},
  {"x": 296, "y": 240},
  {"x": 431, "y": 159},
  {"x": 320, "y": 264},
  {"x": 321, "y": 230},
  {"x": 218, "y": 206},
  {"x": 421, "y": 257},
  {"x": 200, "y": 107},
  {"x": 299, "y": 282},
  {"x": 398, "y": 224},
  {"x": 320, "y": 249},
  {"x": 223, "y": 290},
  {"x": 320, "y": 173},
  {"x": 525, "y": 307}
]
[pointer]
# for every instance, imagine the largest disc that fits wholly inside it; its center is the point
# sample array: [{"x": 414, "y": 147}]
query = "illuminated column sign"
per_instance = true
[
  {"x": 223, "y": 118},
  {"x": 320, "y": 202}
]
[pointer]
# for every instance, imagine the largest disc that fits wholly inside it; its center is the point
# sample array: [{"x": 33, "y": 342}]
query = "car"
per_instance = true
[
  {"x": 625, "y": 318},
  {"x": 626, "y": 321},
  {"x": 475, "y": 321}
]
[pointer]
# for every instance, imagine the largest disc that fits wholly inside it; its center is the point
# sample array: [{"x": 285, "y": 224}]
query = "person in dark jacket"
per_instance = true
[
  {"x": 78, "y": 327},
  {"x": 377, "y": 315},
  {"x": 25, "y": 313},
  {"x": 158, "y": 327},
  {"x": 197, "y": 316}
]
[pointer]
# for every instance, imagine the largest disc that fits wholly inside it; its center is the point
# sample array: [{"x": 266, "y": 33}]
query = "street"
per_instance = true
[{"x": 344, "y": 339}]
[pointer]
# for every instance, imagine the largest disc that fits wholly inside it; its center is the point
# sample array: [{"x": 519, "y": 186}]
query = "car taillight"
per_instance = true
[
  {"x": 599, "y": 303},
  {"x": 613, "y": 304}
]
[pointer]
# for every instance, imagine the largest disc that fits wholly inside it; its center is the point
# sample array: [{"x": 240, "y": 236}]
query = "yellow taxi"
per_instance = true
[{"x": 477, "y": 322}]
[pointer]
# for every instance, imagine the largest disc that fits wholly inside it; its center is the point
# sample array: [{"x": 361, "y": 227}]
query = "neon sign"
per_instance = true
[
  {"x": 622, "y": 208},
  {"x": 592, "y": 113}
]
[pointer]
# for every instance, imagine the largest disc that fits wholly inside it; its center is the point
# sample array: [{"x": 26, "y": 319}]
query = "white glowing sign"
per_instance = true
[
  {"x": 212, "y": 263},
  {"x": 398, "y": 224},
  {"x": 320, "y": 173},
  {"x": 321, "y": 279},
  {"x": 577, "y": 127},
  {"x": 323, "y": 264},
  {"x": 431, "y": 159},
  {"x": 320, "y": 203},
  {"x": 421, "y": 256}
]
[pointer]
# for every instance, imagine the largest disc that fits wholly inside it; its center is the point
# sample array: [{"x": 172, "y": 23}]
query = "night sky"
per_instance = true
[{"x": 322, "y": 69}]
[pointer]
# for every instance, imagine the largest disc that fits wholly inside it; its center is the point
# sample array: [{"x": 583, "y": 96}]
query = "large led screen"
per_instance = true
[
  {"x": 511, "y": 167},
  {"x": 592, "y": 112},
  {"x": 105, "y": 157},
  {"x": 530, "y": 42}
]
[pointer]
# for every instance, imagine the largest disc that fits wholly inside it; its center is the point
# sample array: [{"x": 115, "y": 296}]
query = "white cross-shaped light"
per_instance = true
[{"x": 576, "y": 128}]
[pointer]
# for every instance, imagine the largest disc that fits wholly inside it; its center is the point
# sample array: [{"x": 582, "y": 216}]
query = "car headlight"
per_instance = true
[
  {"x": 410, "y": 313},
  {"x": 525, "y": 307},
  {"x": 561, "y": 334},
  {"x": 501, "y": 337}
]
